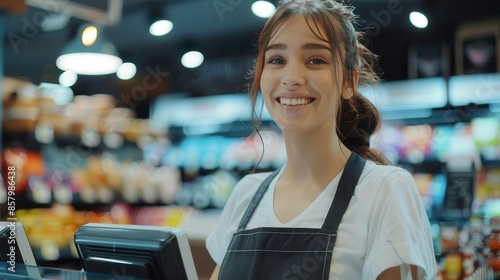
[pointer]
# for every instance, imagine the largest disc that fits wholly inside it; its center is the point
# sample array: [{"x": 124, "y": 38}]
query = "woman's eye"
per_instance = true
[
  {"x": 276, "y": 61},
  {"x": 317, "y": 61}
]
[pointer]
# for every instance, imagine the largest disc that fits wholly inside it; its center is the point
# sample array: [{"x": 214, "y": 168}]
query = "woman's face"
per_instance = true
[{"x": 301, "y": 81}]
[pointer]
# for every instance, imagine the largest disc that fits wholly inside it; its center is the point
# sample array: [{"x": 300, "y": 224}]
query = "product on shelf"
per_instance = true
[
  {"x": 468, "y": 262},
  {"x": 493, "y": 243},
  {"x": 431, "y": 188},
  {"x": 388, "y": 140},
  {"x": 20, "y": 106},
  {"x": 149, "y": 184},
  {"x": 453, "y": 266},
  {"x": 26, "y": 164},
  {"x": 443, "y": 136},
  {"x": 40, "y": 190},
  {"x": 449, "y": 238},
  {"x": 486, "y": 133},
  {"x": 53, "y": 116},
  {"x": 487, "y": 195},
  {"x": 219, "y": 186},
  {"x": 416, "y": 142}
]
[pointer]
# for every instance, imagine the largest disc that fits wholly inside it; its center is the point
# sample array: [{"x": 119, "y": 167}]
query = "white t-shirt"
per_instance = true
[{"x": 384, "y": 226}]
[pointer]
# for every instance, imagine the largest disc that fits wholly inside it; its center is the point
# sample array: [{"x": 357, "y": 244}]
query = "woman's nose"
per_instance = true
[{"x": 293, "y": 75}]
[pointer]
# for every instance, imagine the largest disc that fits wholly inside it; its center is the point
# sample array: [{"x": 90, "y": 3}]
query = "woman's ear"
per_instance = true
[{"x": 351, "y": 87}]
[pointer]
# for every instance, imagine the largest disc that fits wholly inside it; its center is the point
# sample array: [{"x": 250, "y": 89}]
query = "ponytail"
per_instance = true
[{"x": 358, "y": 120}]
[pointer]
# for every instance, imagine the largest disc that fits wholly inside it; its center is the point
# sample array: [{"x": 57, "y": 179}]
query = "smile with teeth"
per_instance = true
[{"x": 294, "y": 101}]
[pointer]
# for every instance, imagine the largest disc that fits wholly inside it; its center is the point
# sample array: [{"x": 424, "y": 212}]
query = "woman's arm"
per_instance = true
[
  {"x": 215, "y": 274},
  {"x": 394, "y": 273}
]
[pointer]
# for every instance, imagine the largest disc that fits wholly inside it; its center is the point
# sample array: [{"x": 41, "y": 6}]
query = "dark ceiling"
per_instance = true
[{"x": 226, "y": 37}]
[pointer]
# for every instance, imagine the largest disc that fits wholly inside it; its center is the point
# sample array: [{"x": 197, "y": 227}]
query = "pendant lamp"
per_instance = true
[{"x": 89, "y": 53}]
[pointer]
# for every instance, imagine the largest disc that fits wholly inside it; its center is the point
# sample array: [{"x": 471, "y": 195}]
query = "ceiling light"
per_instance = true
[
  {"x": 89, "y": 35},
  {"x": 161, "y": 27},
  {"x": 263, "y": 9},
  {"x": 89, "y": 53},
  {"x": 192, "y": 59},
  {"x": 126, "y": 71},
  {"x": 418, "y": 19}
]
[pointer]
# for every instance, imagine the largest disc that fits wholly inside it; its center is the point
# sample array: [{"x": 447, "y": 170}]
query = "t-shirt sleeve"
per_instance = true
[
  {"x": 399, "y": 230},
  {"x": 218, "y": 240}
]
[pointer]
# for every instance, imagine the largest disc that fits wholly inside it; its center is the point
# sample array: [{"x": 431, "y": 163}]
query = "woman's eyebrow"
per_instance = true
[
  {"x": 308, "y": 46},
  {"x": 314, "y": 46},
  {"x": 276, "y": 47}
]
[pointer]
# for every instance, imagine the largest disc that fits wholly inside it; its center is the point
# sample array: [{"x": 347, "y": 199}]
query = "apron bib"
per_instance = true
[{"x": 289, "y": 253}]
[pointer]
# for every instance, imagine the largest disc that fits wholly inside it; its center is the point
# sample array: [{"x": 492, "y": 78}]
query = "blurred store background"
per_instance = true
[{"x": 161, "y": 138}]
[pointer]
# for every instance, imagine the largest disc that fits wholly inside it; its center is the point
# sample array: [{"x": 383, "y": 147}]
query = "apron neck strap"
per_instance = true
[
  {"x": 345, "y": 190},
  {"x": 256, "y": 199}
]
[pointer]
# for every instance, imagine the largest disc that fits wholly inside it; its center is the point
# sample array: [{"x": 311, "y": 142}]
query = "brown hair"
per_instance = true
[{"x": 357, "y": 117}]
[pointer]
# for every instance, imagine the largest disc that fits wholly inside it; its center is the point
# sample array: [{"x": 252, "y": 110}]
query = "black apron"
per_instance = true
[{"x": 289, "y": 253}]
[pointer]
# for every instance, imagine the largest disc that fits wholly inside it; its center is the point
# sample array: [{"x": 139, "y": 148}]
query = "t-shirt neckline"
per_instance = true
[{"x": 329, "y": 191}]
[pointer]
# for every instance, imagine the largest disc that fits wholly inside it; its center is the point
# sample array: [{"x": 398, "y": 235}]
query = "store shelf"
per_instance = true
[
  {"x": 438, "y": 116},
  {"x": 24, "y": 140}
]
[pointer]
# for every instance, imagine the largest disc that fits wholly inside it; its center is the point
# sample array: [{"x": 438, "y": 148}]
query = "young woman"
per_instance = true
[{"x": 336, "y": 210}]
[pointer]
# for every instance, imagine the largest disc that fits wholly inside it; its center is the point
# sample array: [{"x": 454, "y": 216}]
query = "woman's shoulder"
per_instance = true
[
  {"x": 377, "y": 172},
  {"x": 385, "y": 178}
]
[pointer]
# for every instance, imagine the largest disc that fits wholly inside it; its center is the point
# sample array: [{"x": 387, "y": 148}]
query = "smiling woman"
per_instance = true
[{"x": 336, "y": 205}]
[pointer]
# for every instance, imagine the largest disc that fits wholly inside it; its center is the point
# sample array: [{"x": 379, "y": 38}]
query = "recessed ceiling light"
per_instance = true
[
  {"x": 418, "y": 20},
  {"x": 263, "y": 9},
  {"x": 192, "y": 59},
  {"x": 161, "y": 27}
]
